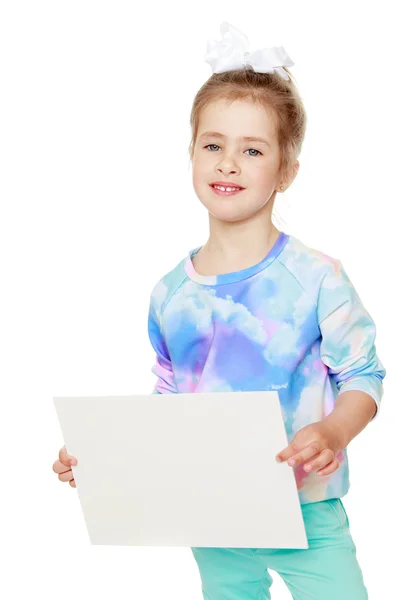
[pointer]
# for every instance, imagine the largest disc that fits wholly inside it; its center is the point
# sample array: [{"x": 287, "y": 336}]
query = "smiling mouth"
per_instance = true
[{"x": 226, "y": 191}]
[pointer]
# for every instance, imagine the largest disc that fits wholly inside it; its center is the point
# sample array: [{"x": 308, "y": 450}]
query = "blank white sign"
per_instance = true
[{"x": 183, "y": 470}]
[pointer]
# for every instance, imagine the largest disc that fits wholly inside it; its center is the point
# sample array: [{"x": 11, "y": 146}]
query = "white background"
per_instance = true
[{"x": 97, "y": 204}]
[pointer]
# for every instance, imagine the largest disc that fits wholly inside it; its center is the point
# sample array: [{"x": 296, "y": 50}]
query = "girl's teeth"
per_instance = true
[{"x": 228, "y": 189}]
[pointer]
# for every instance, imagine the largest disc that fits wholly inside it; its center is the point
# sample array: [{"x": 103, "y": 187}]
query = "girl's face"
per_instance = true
[{"x": 252, "y": 164}]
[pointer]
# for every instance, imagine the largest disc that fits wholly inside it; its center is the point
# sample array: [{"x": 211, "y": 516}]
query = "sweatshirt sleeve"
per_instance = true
[
  {"x": 165, "y": 383},
  {"x": 348, "y": 336}
]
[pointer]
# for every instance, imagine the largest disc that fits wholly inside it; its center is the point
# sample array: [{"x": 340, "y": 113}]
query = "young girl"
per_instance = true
[{"x": 256, "y": 309}]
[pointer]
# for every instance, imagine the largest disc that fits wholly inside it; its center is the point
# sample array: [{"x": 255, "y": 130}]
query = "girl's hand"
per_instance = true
[
  {"x": 63, "y": 467},
  {"x": 319, "y": 442}
]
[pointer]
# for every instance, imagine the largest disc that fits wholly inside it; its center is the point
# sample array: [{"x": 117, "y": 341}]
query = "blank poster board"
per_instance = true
[{"x": 183, "y": 470}]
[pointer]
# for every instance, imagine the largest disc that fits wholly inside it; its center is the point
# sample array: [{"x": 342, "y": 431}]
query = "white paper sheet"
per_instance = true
[{"x": 183, "y": 470}]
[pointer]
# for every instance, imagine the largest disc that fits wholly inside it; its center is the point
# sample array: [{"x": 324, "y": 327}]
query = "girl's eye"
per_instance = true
[{"x": 250, "y": 149}]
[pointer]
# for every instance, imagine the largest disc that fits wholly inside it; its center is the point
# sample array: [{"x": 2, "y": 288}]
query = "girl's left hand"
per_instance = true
[{"x": 317, "y": 441}]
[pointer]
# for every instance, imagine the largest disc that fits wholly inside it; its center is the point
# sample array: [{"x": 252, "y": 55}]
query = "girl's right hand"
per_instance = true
[{"x": 63, "y": 467}]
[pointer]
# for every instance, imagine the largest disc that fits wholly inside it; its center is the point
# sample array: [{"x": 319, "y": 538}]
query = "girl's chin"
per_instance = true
[{"x": 229, "y": 216}]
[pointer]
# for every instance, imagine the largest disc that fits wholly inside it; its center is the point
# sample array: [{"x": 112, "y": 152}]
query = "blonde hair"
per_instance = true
[{"x": 276, "y": 94}]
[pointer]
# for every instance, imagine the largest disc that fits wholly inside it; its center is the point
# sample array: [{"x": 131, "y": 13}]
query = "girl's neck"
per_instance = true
[{"x": 235, "y": 246}]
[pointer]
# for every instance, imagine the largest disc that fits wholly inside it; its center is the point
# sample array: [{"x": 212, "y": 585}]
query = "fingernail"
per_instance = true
[
  {"x": 291, "y": 462},
  {"x": 278, "y": 459},
  {"x": 73, "y": 461}
]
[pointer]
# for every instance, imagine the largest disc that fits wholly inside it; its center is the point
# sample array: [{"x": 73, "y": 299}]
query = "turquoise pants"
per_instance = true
[{"x": 327, "y": 570}]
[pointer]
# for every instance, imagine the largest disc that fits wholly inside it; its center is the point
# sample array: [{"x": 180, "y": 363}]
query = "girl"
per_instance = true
[{"x": 256, "y": 309}]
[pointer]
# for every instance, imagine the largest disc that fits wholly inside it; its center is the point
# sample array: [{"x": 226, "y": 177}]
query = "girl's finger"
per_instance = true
[
  {"x": 66, "y": 458},
  {"x": 72, "y": 483},
  {"x": 308, "y": 452},
  {"x": 323, "y": 460},
  {"x": 66, "y": 476},
  {"x": 329, "y": 468},
  {"x": 60, "y": 467}
]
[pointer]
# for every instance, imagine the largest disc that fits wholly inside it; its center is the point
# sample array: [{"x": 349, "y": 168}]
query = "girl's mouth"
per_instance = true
[{"x": 228, "y": 191}]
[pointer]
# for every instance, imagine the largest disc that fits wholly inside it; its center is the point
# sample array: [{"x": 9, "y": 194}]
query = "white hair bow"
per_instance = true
[{"x": 233, "y": 53}]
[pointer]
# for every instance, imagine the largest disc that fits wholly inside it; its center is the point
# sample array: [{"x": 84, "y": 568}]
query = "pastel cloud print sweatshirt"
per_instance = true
[{"x": 293, "y": 323}]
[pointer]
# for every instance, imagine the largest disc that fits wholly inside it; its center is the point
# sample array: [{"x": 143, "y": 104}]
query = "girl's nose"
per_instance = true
[{"x": 227, "y": 168}]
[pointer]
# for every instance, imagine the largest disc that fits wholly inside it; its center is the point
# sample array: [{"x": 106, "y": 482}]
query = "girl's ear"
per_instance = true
[
  {"x": 295, "y": 170},
  {"x": 288, "y": 180}
]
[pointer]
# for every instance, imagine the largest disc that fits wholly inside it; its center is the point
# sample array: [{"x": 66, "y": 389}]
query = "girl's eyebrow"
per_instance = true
[{"x": 243, "y": 138}]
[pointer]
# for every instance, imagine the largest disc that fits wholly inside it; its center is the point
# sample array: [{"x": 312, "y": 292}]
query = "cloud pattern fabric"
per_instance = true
[{"x": 293, "y": 323}]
